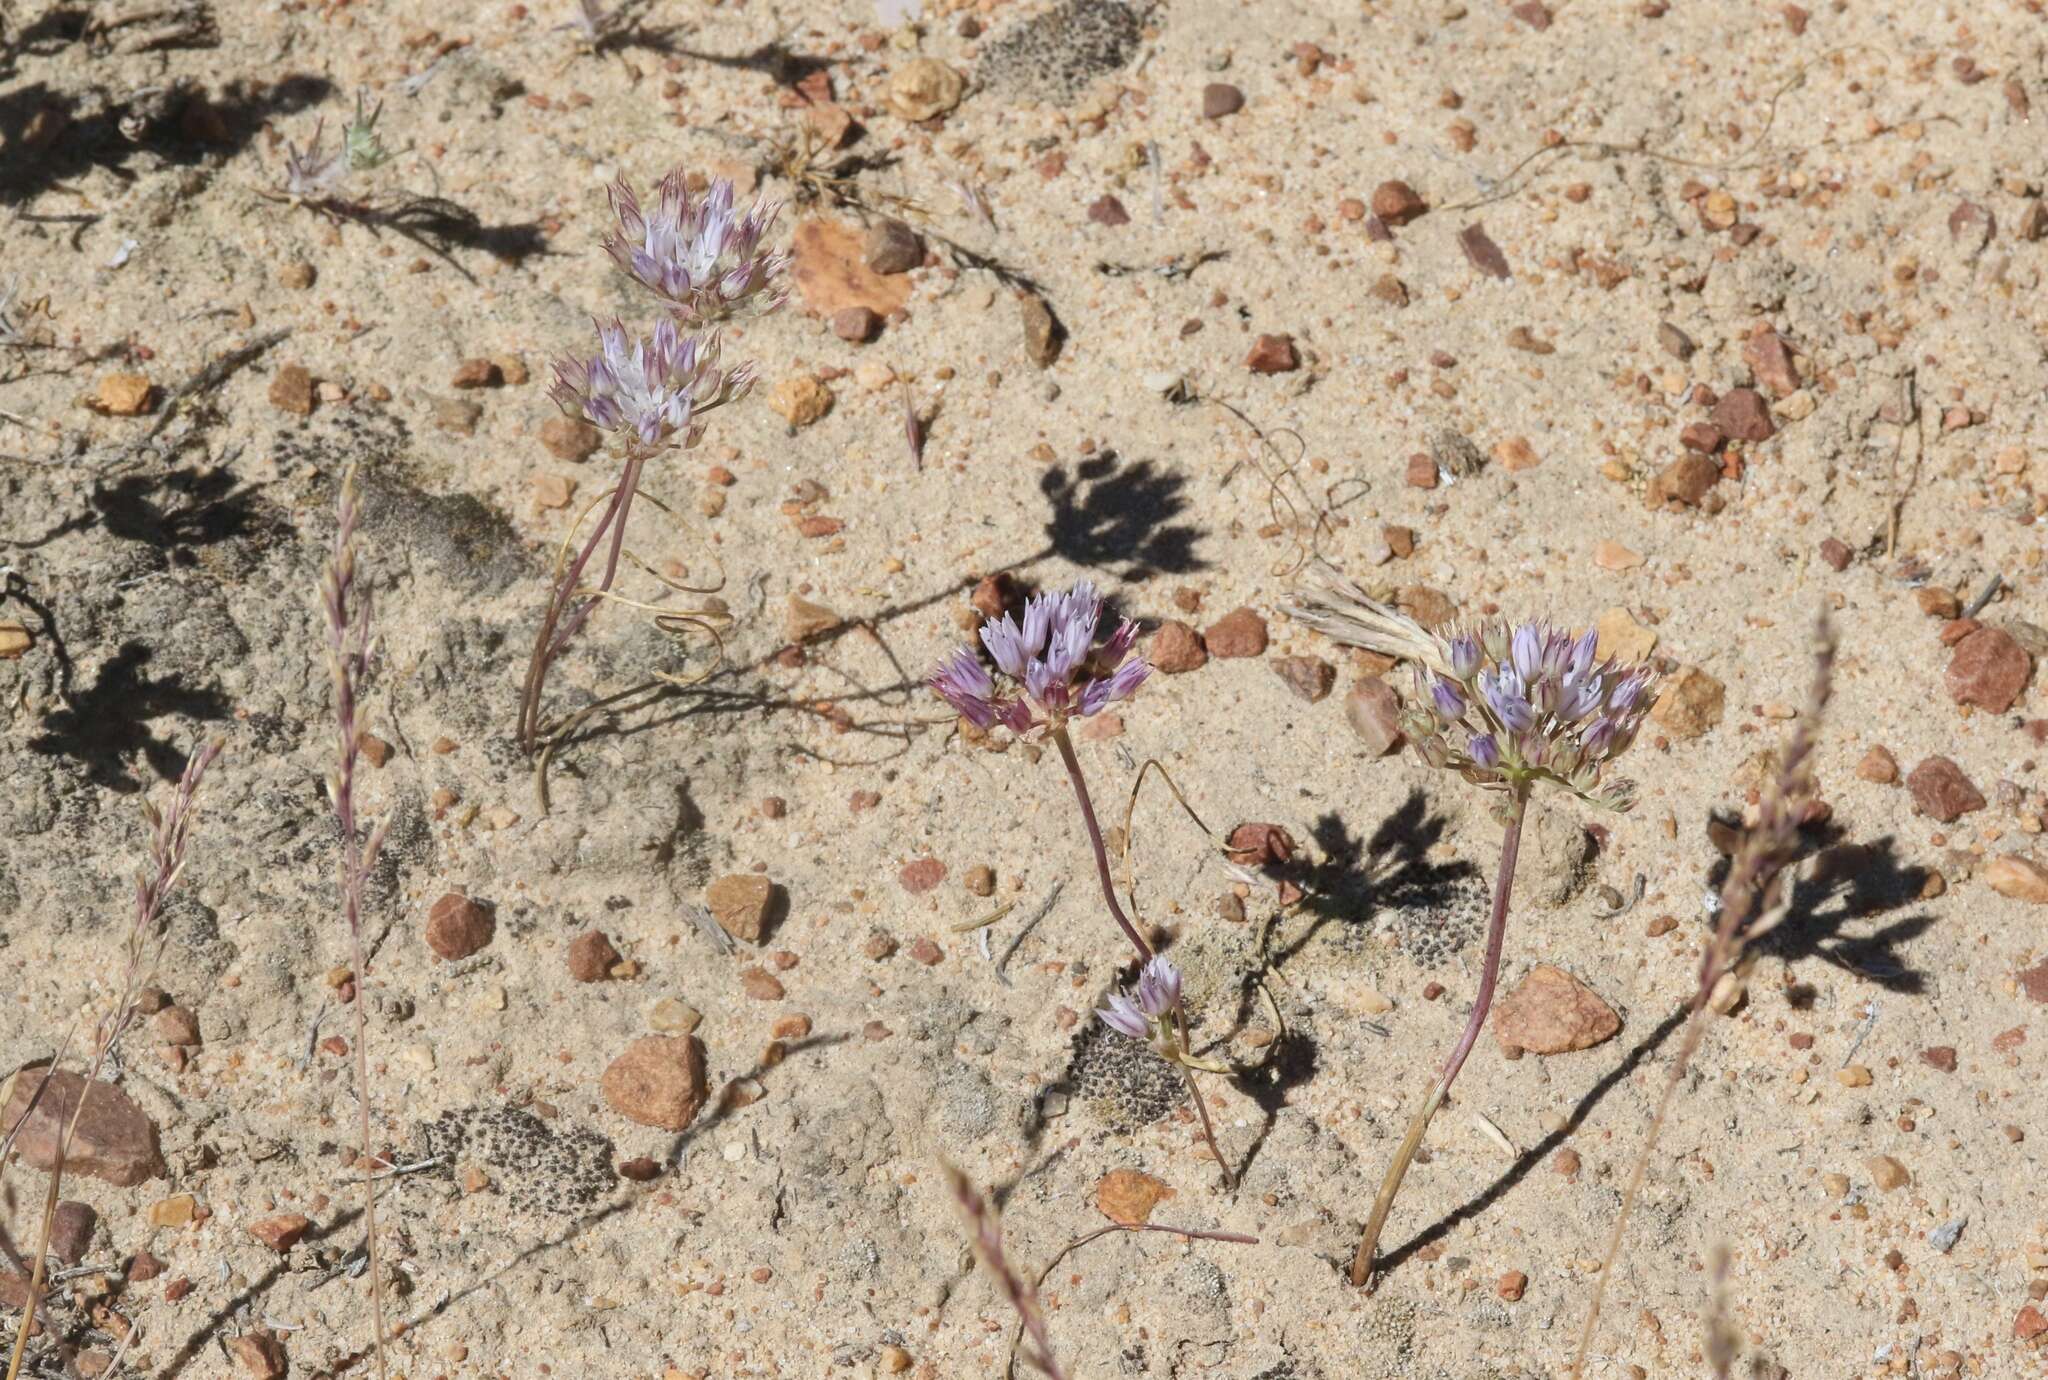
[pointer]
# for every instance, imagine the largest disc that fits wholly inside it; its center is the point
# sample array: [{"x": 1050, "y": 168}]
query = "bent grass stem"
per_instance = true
[{"x": 1496, "y": 932}]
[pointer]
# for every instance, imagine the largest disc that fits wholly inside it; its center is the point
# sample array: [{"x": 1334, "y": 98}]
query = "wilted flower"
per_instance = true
[
  {"x": 1052, "y": 657},
  {"x": 314, "y": 173},
  {"x": 651, "y": 386},
  {"x": 700, "y": 254}
]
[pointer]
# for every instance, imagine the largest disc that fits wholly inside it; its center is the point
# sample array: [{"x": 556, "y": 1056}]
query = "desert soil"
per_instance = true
[{"x": 1688, "y": 321}]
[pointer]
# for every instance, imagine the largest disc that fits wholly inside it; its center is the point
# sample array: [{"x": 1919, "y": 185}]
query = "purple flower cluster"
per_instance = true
[
  {"x": 1052, "y": 655},
  {"x": 706, "y": 262},
  {"x": 1531, "y": 703},
  {"x": 700, "y": 255},
  {"x": 1156, "y": 996},
  {"x": 651, "y": 386}
]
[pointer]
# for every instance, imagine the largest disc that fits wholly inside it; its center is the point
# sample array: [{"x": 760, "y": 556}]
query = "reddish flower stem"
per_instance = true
[
  {"x": 1066, "y": 747},
  {"x": 565, "y": 617},
  {"x": 1496, "y": 932}
]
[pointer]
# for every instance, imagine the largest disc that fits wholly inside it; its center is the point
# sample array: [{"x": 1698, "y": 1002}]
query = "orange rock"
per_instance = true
[
  {"x": 1552, "y": 1012},
  {"x": 1127, "y": 1196},
  {"x": 829, "y": 263}
]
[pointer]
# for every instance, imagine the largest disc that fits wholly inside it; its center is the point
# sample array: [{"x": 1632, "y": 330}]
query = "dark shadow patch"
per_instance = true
[
  {"x": 1357, "y": 879},
  {"x": 182, "y": 510},
  {"x": 1844, "y": 883},
  {"x": 441, "y": 227},
  {"x": 110, "y": 723},
  {"x": 48, "y": 136},
  {"x": 1119, "y": 515},
  {"x": 776, "y": 60}
]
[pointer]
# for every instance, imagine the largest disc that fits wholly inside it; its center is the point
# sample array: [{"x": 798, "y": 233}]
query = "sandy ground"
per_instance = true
[{"x": 1672, "y": 203}]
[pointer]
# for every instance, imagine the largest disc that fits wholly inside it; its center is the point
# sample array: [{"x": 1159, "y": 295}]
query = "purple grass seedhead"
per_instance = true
[
  {"x": 1051, "y": 655},
  {"x": 699, "y": 253}
]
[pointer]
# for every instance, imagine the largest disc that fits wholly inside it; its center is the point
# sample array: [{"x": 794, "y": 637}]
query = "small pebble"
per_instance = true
[
  {"x": 1273, "y": 354},
  {"x": 892, "y": 247},
  {"x": 1176, "y": 649},
  {"x": 1239, "y": 633},
  {"x": 592, "y": 957},
  {"x": 569, "y": 438},
  {"x": 458, "y": 927},
  {"x": 1220, "y": 98},
  {"x": 1396, "y": 203},
  {"x": 1878, "y": 766},
  {"x": 856, "y": 324},
  {"x": 291, "y": 390},
  {"x": 1941, "y": 791},
  {"x": 921, "y": 875}
]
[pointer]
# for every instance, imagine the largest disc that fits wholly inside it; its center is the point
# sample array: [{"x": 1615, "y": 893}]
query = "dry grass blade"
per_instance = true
[
  {"x": 1343, "y": 612},
  {"x": 349, "y": 656},
  {"x": 1151, "y": 764},
  {"x": 986, "y": 1232},
  {"x": 169, "y": 838},
  {"x": 1185, "y": 1233},
  {"x": 1751, "y": 903}
]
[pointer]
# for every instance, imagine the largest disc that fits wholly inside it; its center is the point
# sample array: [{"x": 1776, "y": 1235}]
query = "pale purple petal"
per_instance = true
[
  {"x": 1118, "y": 685},
  {"x": 1526, "y": 651},
  {"x": 1450, "y": 705},
  {"x": 1465, "y": 656},
  {"x": 1122, "y": 1016},
  {"x": 1006, "y": 644},
  {"x": 964, "y": 683},
  {"x": 1158, "y": 987},
  {"x": 1119, "y": 645},
  {"x": 1038, "y": 611}
]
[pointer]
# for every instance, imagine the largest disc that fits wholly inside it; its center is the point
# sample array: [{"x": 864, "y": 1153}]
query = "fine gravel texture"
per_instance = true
[{"x": 1681, "y": 321}]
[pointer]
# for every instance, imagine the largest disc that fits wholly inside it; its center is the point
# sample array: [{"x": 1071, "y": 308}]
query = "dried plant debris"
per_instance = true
[
  {"x": 1057, "y": 55},
  {"x": 538, "y": 1167},
  {"x": 1121, "y": 1082}
]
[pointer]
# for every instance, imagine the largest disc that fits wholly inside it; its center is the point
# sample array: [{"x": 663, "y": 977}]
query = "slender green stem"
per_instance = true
[
  {"x": 1489, "y": 978},
  {"x": 1066, "y": 747}
]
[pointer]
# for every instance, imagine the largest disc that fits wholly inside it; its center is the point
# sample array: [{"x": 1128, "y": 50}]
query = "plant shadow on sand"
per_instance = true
[
  {"x": 1107, "y": 514},
  {"x": 110, "y": 722},
  {"x": 180, "y": 124},
  {"x": 1352, "y": 882},
  {"x": 1858, "y": 879}
]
